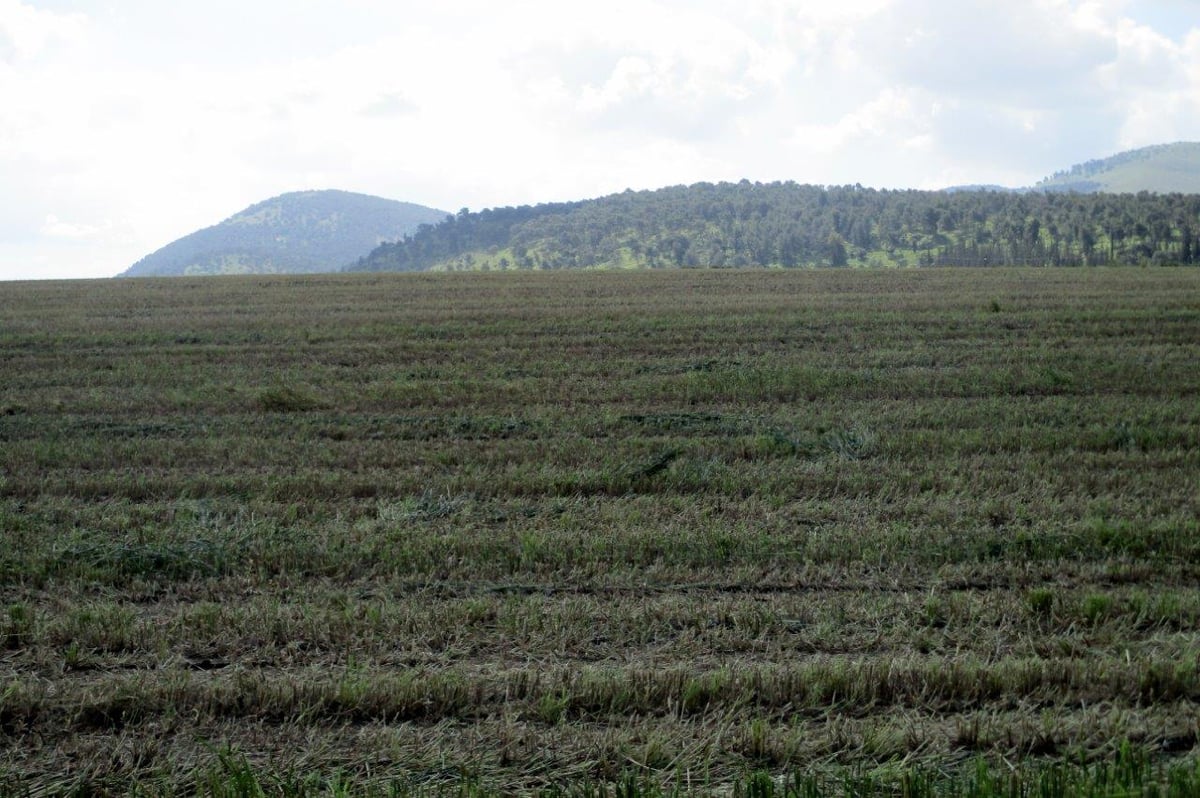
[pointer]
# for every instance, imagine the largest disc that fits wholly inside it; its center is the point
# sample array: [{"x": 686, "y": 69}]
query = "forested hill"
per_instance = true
[
  {"x": 1162, "y": 168},
  {"x": 304, "y": 231},
  {"x": 786, "y": 224}
]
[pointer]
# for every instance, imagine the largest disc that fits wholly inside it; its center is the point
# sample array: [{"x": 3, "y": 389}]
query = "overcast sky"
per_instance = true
[{"x": 125, "y": 124}]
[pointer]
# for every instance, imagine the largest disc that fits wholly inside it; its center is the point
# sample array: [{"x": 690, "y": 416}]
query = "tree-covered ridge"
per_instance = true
[
  {"x": 1163, "y": 168},
  {"x": 788, "y": 225},
  {"x": 305, "y": 231}
]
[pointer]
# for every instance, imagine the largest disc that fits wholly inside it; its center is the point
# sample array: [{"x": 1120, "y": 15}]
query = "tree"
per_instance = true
[{"x": 837, "y": 250}]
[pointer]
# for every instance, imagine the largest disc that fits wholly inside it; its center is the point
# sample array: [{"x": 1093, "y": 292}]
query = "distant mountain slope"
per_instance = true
[
  {"x": 982, "y": 187},
  {"x": 787, "y": 224},
  {"x": 305, "y": 231},
  {"x": 1164, "y": 168}
]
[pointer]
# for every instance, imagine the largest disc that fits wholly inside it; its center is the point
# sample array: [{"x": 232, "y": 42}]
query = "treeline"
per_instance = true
[{"x": 787, "y": 224}]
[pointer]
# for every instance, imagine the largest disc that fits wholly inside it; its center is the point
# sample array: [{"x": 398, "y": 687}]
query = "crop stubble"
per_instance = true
[{"x": 533, "y": 529}]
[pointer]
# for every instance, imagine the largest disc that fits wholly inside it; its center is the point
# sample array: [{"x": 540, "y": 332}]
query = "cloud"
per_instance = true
[
  {"x": 1023, "y": 87},
  {"x": 57, "y": 228},
  {"x": 1155, "y": 85},
  {"x": 389, "y": 104},
  {"x": 680, "y": 72},
  {"x": 1032, "y": 53},
  {"x": 27, "y": 32},
  {"x": 894, "y": 114}
]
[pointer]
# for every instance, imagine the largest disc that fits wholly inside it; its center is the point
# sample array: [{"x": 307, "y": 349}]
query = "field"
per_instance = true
[{"x": 820, "y": 532}]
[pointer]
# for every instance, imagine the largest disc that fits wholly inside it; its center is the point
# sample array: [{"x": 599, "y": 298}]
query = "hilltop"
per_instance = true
[
  {"x": 789, "y": 225},
  {"x": 1163, "y": 169},
  {"x": 304, "y": 231},
  {"x": 1139, "y": 206}
]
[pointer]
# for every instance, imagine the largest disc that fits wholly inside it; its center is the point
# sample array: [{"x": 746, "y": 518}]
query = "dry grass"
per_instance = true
[{"x": 513, "y": 532}]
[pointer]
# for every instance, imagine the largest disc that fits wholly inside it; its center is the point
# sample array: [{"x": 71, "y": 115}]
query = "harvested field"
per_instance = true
[{"x": 842, "y": 532}]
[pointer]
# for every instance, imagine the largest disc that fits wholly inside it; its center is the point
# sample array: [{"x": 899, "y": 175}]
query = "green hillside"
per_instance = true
[
  {"x": 1164, "y": 168},
  {"x": 305, "y": 231},
  {"x": 790, "y": 225}
]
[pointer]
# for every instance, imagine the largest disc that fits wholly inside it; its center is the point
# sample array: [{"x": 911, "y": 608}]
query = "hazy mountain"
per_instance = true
[
  {"x": 305, "y": 231},
  {"x": 1160, "y": 169},
  {"x": 1163, "y": 168},
  {"x": 982, "y": 187}
]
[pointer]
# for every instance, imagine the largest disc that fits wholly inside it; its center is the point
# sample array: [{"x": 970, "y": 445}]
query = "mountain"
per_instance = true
[
  {"x": 305, "y": 231},
  {"x": 1160, "y": 169},
  {"x": 982, "y": 187},
  {"x": 1163, "y": 168},
  {"x": 788, "y": 224}
]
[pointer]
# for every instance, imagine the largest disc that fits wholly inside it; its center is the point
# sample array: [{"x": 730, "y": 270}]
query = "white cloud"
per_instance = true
[
  {"x": 57, "y": 228},
  {"x": 27, "y": 32},
  {"x": 893, "y": 114},
  {"x": 392, "y": 103},
  {"x": 682, "y": 71},
  {"x": 1036, "y": 53},
  {"x": 1155, "y": 85}
]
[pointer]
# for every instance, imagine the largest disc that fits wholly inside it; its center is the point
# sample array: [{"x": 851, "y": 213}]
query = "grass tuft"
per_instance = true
[
  {"x": 287, "y": 399},
  {"x": 117, "y": 563},
  {"x": 855, "y": 442},
  {"x": 16, "y": 626}
]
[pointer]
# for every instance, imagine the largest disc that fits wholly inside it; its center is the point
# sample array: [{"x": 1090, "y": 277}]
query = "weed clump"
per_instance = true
[
  {"x": 855, "y": 442},
  {"x": 117, "y": 563},
  {"x": 16, "y": 627},
  {"x": 1040, "y": 601},
  {"x": 425, "y": 507},
  {"x": 287, "y": 399},
  {"x": 1096, "y": 607}
]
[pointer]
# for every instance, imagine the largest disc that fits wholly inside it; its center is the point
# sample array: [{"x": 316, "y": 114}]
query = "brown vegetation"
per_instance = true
[{"x": 544, "y": 529}]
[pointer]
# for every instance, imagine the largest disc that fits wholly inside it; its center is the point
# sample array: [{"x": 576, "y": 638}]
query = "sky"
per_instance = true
[{"x": 125, "y": 124}]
